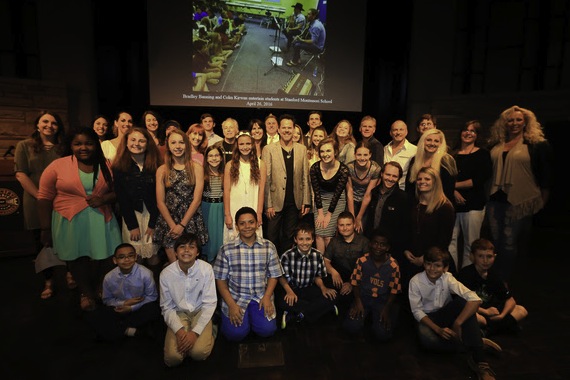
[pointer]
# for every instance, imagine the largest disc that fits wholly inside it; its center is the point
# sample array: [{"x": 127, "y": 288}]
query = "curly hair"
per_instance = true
[{"x": 533, "y": 131}]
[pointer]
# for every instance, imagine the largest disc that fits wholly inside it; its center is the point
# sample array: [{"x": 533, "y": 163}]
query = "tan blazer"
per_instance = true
[{"x": 277, "y": 176}]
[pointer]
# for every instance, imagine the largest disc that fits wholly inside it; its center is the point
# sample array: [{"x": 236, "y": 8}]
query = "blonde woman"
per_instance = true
[
  {"x": 432, "y": 222},
  {"x": 432, "y": 152},
  {"x": 520, "y": 183}
]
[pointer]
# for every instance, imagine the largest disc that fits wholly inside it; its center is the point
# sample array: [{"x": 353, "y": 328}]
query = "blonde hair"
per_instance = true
[
  {"x": 532, "y": 132},
  {"x": 440, "y": 157},
  {"x": 437, "y": 197}
]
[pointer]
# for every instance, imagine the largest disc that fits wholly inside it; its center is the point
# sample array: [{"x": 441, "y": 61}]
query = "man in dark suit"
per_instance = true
[{"x": 287, "y": 194}]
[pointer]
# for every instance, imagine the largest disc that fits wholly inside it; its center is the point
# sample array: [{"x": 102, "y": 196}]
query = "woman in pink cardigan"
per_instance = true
[{"x": 76, "y": 217}]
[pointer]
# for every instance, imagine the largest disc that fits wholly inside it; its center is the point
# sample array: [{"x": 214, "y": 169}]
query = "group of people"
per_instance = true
[
  {"x": 216, "y": 33},
  {"x": 353, "y": 228}
]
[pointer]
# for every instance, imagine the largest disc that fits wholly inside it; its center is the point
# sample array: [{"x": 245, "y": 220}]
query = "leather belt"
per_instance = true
[{"x": 213, "y": 200}]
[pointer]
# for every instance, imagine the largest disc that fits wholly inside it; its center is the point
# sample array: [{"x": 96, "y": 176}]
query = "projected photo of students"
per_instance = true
[
  {"x": 257, "y": 53},
  {"x": 255, "y": 47}
]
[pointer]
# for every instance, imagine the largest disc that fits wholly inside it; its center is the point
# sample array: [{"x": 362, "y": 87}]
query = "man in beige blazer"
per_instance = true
[{"x": 287, "y": 192}]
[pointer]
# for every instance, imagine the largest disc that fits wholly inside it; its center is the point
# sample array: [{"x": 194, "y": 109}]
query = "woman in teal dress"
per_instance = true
[{"x": 75, "y": 209}]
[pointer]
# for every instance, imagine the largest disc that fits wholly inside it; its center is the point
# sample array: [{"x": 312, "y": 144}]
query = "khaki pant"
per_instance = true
[{"x": 201, "y": 349}]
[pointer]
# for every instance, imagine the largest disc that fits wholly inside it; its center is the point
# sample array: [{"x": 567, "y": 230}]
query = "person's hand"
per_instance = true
[
  {"x": 185, "y": 340},
  {"x": 337, "y": 280},
  {"x": 133, "y": 301},
  {"x": 135, "y": 235},
  {"x": 320, "y": 222},
  {"x": 268, "y": 308},
  {"x": 176, "y": 231},
  {"x": 149, "y": 233},
  {"x": 356, "y": 310},
  {"x": 358, "y": 224},
  {"x": 446, "y": 333},
  {"x": 229, "y": 222},
  {"x": 291, "y": 298},
  {"x": 459, "y": 199},
  {"x": 259, "y": 219},
  {"x": 327, "y": 219},
  {"x": 346, "y": 289},
  {"x": 236, "y": 314},
  {"x": 123, "y": 309},
  {"x": 95, "y": 201},
  {"x": 329, "y": 293},
  {"x": 417, "y": 261},
  {"x": 491, "y": 312},
  {"x": 270, "y": 212}
]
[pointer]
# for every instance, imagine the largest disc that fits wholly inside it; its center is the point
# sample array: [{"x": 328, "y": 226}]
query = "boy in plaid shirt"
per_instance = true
[{"x": 302, "y": 292}]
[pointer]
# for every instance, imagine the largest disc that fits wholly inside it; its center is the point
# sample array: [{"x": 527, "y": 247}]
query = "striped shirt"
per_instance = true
[
  {"x": 215, "y": 189},
  {"x": 301, "y": 269},
  {"x": 246, "y": 269}
]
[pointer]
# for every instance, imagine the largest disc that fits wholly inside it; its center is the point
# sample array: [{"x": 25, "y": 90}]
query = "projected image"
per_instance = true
[
  {"x": 228, "y": 42},
  {"x": 256, "y": 53}
]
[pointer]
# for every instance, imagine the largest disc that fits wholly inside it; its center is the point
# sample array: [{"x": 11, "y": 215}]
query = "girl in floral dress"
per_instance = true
[{"x": 179, "y": 187}]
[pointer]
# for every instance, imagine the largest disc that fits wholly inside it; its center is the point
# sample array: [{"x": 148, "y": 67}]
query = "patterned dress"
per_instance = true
[{"x": 178, "y": 198}]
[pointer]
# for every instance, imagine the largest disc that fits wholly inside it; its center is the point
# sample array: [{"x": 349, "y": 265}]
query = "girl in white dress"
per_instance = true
[{"x": 244, "y": 184}]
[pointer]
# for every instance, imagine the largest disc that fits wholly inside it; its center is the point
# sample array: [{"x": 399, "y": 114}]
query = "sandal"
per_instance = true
[
  {"x": 71, "y": 284},
  {"x": 48, "y": 290},
  {"x": 87, "y": 303}
]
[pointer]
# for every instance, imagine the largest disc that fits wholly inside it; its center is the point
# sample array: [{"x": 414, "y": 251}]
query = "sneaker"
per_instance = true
[
  {"x": 284, "y": 320},
  {"x": 491, "y": 344},
  {"x": 482, "y": 369},
  {"x": 335, "y": 310},
  {"x": 236, "y": 46}
]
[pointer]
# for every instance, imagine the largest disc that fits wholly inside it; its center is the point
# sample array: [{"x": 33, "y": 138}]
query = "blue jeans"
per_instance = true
[{"x": 506, "y": 233}]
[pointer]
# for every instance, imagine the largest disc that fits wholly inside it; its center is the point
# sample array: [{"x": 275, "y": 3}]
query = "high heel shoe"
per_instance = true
[{"x": 71, "y": 284}]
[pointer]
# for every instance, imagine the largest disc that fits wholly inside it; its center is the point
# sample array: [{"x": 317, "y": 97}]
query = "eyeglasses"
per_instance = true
[{"x": 131, "y": 255}]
